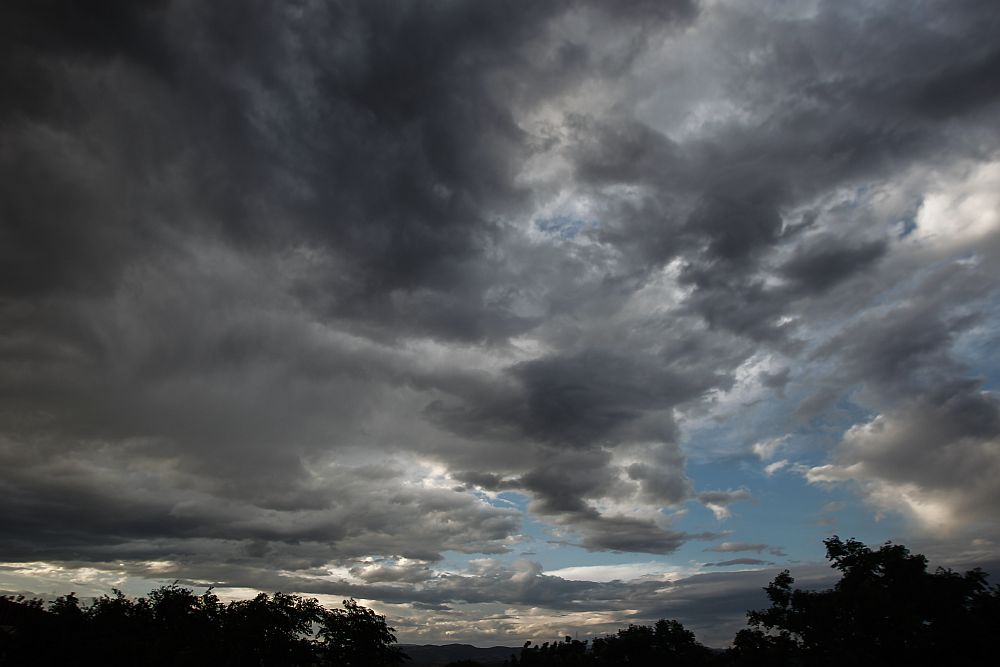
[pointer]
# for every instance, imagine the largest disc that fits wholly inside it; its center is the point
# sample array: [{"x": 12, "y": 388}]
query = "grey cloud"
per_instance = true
[
  {"x": 584, "y": 398},
  {"x": 564, "y": 487},
  {"x": 961, "y": 87},
  {"x": 619, "y": 533},
  {"x": 595, "y": 390},
  {"x": 379, "y": 571},
  {"x": 342, "y": 517},
  {"x": 719, "y": 501},
  {"x": 738, "y": 223},
  {"x": 823, "y": 263},
  {"x": 813, "y": 118},
  {"x": 724, "y": 497},
  {"x": 932, "y": 458},
  {"x": 661, "y": 476},
  {"x": 209, "y": 258},
  {"x": 739, "y": 561},
  {"x": 269, "y": 129},
  {"x": 590, "y": 402},
  {"x": 777, "y": 381},
  {"x": 666, "y": 485},
  {"x": 563, "y": 482},
  {"x": 729, "y": 547},
  {"x": 898, "y": 352},
  {"x": 731, "y": 302},
  {"x": 250, "y": 253},
  {"x": 896, "y": 348},
  {"x": 485, "y": 480}
]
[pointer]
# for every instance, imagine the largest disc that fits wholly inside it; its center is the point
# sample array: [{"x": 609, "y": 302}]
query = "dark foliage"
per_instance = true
[
  {"x": 174, "y": 627},
  {"x": 886, "y": 609},
  {"x": 666, "y": 643}
]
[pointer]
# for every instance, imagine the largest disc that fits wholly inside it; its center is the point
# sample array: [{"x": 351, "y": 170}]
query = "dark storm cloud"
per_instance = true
[
  {"x": 822, "y": 265},
  {"x": 564, "y": 486},
  {"x": 908, "y": 347},
  {"x": 739, "y": 217},
  {"x": 106, "y": 514},
  {"x": 812, "y": 118},
  {"x": 580, "y": 408},
  {"x": 274, "y": 294},
  {"x": 584, "y": 398},
  {"x": 268, "y": 111},
  {"x": 192, "y": 190},
  {"x": 960, "y": 87}
]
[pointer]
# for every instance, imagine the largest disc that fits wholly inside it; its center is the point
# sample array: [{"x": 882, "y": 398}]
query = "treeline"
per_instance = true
[
  {"x": 666, "y": 643},
  {"x": 886, "y": 609},
  {"x": 176, "y": 628}
]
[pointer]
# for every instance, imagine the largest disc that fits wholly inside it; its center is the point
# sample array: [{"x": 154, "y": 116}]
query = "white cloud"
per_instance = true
[
  {"x": 933, "y": 460},
  {"x": 766, "y": 449},
  {"x": 621, "y": 572},
  {"x": 772, "y": 468},
  {"x": 962, "y": 210}
]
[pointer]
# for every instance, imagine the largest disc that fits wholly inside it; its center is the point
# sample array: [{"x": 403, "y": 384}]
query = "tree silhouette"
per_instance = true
[
  {"x": 886, "y": 608},
  {"x": 356, "y": 636},
  {"x": 666, "y": 643},
  {"x": 275, "y": 630},
  {"x": 174, "y": 627}
]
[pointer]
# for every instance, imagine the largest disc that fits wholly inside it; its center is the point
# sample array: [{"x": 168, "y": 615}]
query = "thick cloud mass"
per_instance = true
[{"x": 339, "y": 296}]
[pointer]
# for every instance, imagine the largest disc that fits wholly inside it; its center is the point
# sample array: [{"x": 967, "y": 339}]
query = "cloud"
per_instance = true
[
  {"x": 402, "y": 570},
  {"x": 766, "y": 449},
  {"x": 825, "y": 262},
  {"x": 719, "y": 501},
  {"x": 619, "y": 572},
  {"x": 288, "y": 291},
  {"x": 219, "y": 325},
  {"x": 729, "y": 547},
  {"x": 739, "y": 561},
  {"x": 931, "y": 458},
  {"x": 772, "y": 468}
]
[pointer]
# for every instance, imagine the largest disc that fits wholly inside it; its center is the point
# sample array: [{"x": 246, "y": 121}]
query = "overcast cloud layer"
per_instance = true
[{"x": 511, "y": 319}]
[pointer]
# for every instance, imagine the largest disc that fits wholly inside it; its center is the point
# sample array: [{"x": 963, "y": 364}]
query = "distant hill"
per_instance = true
[{"x": 430, "y": 655}]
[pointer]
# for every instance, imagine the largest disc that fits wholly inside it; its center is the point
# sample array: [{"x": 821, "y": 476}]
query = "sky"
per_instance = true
[{"x": 512, "y": 320}]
